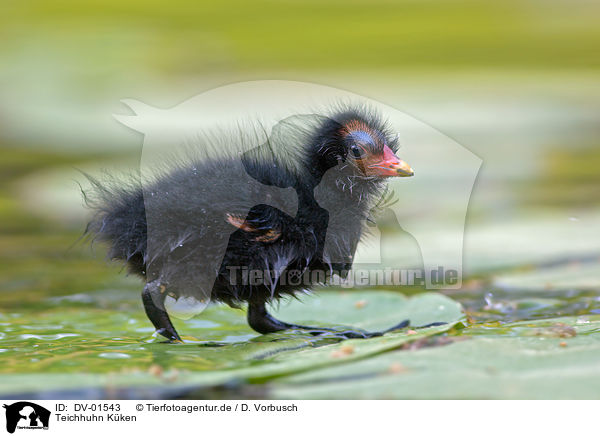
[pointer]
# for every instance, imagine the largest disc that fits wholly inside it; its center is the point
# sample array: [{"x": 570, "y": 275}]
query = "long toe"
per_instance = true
[
  {"x": 433, "y": 324},
  {"x": 399, "y": 326}
]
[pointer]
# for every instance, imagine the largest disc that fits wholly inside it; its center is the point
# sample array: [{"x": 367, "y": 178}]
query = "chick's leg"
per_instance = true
[
  {"x": 153, "y": 299},
  {"x": 261, "y": 321}
]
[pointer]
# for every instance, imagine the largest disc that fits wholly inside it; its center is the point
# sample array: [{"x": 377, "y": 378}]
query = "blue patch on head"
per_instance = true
[{"x": 360, "y": 136}]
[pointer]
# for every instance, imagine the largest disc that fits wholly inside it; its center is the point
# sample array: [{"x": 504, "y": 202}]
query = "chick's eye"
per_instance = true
[{"x": 357, "y": 152}]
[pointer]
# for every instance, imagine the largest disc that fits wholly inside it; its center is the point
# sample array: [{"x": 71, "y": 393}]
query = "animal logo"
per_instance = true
[{"x": 26, "y": 415}]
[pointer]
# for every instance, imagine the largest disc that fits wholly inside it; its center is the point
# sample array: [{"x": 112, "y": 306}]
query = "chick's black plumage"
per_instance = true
[{"x": 293, "y": 209}]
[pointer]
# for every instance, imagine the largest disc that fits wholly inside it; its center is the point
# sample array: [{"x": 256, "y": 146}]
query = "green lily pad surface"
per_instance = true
[
  {"x": 524, "y": 360},
  {"x": 60, "y": 351}
]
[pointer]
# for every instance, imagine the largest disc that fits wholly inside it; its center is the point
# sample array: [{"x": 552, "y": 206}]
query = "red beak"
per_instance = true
[{"x": 390, "y": 166}]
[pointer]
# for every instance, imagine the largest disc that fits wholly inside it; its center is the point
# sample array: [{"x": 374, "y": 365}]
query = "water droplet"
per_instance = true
[{"x": 489, "y": 299}]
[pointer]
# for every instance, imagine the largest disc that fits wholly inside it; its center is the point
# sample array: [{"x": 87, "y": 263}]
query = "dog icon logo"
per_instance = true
[{"x": 26, "y": 415}]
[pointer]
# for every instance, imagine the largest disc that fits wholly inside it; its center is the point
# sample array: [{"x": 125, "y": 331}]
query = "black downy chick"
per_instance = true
[{"x": 194, "y": 230}]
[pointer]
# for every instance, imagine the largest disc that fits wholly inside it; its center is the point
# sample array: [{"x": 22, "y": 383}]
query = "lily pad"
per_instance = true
[
  {"x": 113, "y": 353},
  {"x": 371, "y": 310},
  {"x": 545, "y": 359}
]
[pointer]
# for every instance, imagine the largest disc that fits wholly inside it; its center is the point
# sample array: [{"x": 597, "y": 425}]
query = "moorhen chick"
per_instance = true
[{"x": 198, "y": 229}]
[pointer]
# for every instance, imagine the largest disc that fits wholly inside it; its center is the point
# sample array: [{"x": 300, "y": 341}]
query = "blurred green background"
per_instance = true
[{"x": 516, "y": 82}]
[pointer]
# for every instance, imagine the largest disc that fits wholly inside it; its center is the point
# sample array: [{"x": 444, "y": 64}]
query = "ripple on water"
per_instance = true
[
  {"x": 42, "y": 327},
  {"x": 240, "y": 338},
  {"x": 510, "y": 306},
  {"x": 73, "y": 298},
  {"x": 202, "y": 324},
  {"x": 49, "y": 337},
  {"x": 114, "y": 355}
]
